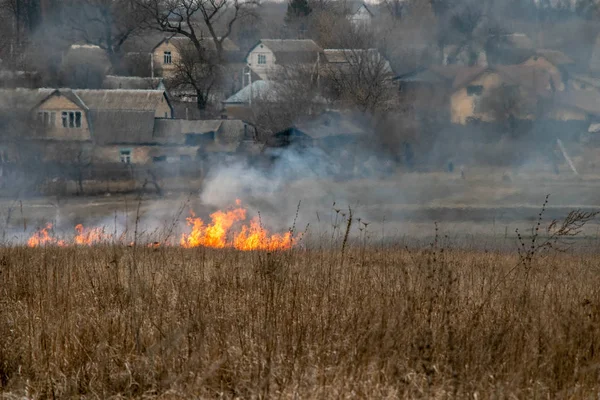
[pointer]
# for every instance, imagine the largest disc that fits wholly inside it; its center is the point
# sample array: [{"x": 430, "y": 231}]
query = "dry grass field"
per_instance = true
[
  {"x": 411, "y": 311},
  {"x": 329, "y": 320}
]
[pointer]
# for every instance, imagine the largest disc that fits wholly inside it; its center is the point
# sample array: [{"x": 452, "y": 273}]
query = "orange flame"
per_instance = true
[
  {"x": 90, "y": 236},
  {"x": 217, "y": 233},
  {"x": 226, "y": 230},
  {"x": 213, "y": 234},
  {"x": 256, "y": 237},
  {"x": 44, "y": 238}
]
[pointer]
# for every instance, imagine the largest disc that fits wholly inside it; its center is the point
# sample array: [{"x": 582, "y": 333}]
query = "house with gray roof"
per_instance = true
[
  {"x": 132, "y": 83},
  {"x": 329, "y": 130},
  {"x": 239, "y": 105},
  {"x": 269, "y": 55},
  {"x": 116, "y": 126}
]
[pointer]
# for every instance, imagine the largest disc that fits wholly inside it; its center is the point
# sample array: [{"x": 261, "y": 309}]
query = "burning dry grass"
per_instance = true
[{"x": 369, "y": 323}]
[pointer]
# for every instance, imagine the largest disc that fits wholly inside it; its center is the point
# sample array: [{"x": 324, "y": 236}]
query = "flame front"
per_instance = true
[
  {"x": 90, "y": 236},
  {"x": 256, "y": 237},
  {"x": 218, "y": 233},
  {"x": 213, "y": 234},
  {"x": 43, "y": 237},
  {"x": 225, "y": 230}
]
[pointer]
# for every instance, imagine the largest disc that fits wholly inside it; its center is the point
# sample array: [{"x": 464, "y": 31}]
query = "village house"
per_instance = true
[
  {"x": 461, "y": 90},
  {"x": 208, "y": 138},
  {"x": 583, "y": 105},
  {"x": 329, "y": 130},
  {"x": 361, "y": 16},
  {"x": 267, "y": 57},
  {"x": 337, "y": 136},
  {"x": 110, "y": 126},
  {"x": 239, "y": 105},
  {"x": 343, "y": 58},
  {"x": 469, "y": 90},
  {"x": 367, "y": 63},
  {"x": 166, "y": 53}
]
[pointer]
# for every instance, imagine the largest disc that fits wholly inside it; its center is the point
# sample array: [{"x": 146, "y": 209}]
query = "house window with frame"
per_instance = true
[
  {"x": 262, "y": 59},
  {"x": 47, "y": 118},
  {"x": 71, "y": 119},
  {"x": 167, "y": 58},
  {"x": 125, "y": 156}
]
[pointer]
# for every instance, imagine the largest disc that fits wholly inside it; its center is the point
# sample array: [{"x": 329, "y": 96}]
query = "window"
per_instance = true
[
  {"x": 126, "y": 156},
  {"x": 71, "y": 119},
  {"x": 474, "y": 90},
  {"x": 167, "y": 59},
  {"x": 47, "y": 118},
  {"x": 159, "y": 159},
  {"x": 262, "y": 59}
]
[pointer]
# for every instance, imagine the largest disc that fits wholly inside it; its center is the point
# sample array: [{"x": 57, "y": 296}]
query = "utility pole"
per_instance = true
[{"x": 248, "y": 73}]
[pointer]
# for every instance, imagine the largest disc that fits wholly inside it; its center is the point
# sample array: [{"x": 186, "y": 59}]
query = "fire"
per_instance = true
[
  {"x": 213, "y": 234},
  {"x": 90, "y": 236},
  {"x": 218, "y": 233},
  {"x": 43, "y": 237},
  {"x": 226, "y": 229},
  {"x": 256, "y": 237}
]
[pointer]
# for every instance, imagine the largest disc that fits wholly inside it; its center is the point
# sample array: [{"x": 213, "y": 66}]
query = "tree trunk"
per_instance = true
[
  {"x": 116, "y": 61},
  {"x": 201, "y": 100},
  {"x": 79, "y": 180}
]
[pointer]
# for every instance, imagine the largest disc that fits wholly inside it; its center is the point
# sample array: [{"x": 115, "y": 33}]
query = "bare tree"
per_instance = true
[
  {"x": 292, "y": 94},
  {"x": 395, "y": 8},
  {"x": 84, "y": 68},
  {"x": 105, "y": 23},
  {"x": 507, "y": 104},
  {"x": 181, "y": 17},
  {"x": 20, "y": 19},
  {"x": 363, "y": 80},
  {"x": 198, "y": 70},
  {"x": 75, "y": 160}
]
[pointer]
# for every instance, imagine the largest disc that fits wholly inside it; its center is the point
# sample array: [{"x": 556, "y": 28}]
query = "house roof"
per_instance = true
[
  {"x": 208, "y": 42},
  {"x": 554, "y": 56},
  {"x": 536, "y": 80},
  {"x": 531, "y": 77},
  {"x": 138, "y": 100},
  {"x": 132, "y": 82},
  {"x": 173, "y": 131},
  {"x": 290, "y": 50},
  {"x": 228, "y": 133},
  {"x": 588, "y": 80},
  {"x": 584, "y": 100},
  {"x": 330, "y": 124},
  {"x": 122, "y": 99},
  {"x": 122, "y": 126},
  {"x": 27, "y": 99},
  {"x": 19, "y": 99},
  {"x": 350, "y": 56},
  {"x": 454, "y": 75},
  {"x": 355, "y": 7},
  {"x": 265, "y": 90}
]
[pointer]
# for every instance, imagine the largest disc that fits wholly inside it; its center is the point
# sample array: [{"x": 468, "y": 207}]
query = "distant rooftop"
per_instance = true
[{"x": 258, "y": 89}]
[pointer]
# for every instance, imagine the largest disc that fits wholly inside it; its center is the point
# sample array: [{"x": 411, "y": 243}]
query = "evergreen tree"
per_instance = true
[{"x": 296, "y": 10}]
